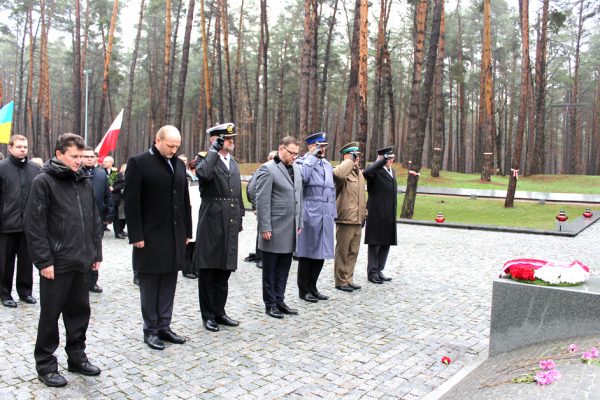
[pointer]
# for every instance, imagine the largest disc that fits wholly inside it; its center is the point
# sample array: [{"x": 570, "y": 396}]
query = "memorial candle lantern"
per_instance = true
[
  {"x": 587, "y": 213},
  {"x": 440, "y": 218},
  {"x": 562, "y": 216}
]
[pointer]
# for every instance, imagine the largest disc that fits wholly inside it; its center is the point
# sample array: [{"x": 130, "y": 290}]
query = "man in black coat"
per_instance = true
[
  {"x": 219, "y": 224},
  {"x": 157, "y": 211},
  {"x": 64, "y": 235},
  {"x": 16, "y": 175},
  {"x": 380, "y": 231},
  {"x": 103, "y": 199}
]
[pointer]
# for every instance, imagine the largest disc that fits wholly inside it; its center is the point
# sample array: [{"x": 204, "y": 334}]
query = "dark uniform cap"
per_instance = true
[
  {"x": 350, "y": 147},
  {"x": 320, "y": 138},
  {"x": 226, "y": 130},
  {"x": 385, "y": 150}
]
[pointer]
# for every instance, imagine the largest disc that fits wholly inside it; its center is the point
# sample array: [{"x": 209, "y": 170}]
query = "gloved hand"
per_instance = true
[
  {"x": 387, "y": 156},
  {"x": 354, "y": 155},
  {"x": 317, "y": 151},
  {"x": 218, "y": 144}
]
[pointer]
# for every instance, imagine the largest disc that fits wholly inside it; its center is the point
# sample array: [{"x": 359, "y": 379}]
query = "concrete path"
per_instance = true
[{"x": 384, "y": 341}]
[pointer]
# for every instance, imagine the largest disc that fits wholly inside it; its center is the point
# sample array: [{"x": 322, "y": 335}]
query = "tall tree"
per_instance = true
[
  {"x": 306, "y": 64},
  {"x": 107, "y": 56},
  {"x": 164, "y": 84},
  {"x": 539, "y": 160},
  {"x": 462, "y": 119},
  {"x": 185, "y": 56},
  {"x": 516, "y": 161},
  {"x": 225, "y": 26},
  {"x": 326, "y": 58},
  {"x": 408, "y": 205},
  {"x": 486, "y": 131},
  {"x": 77, "y": 70},
  {"x": 207, "y": 78},
  {"x": 438, "y": 98},
  {"x": 363, "y": 54},
  {"x": 127, "y": 114}
]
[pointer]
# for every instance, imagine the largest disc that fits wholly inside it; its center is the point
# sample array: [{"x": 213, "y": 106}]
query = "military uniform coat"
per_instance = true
[
  {"x": 381, "y": 205},
  {"x": 157, "y": 211},
  {"x": 220, "y": 215},
  {"x": 319, "y": 209},
  {"x": 278, "y": 206}
]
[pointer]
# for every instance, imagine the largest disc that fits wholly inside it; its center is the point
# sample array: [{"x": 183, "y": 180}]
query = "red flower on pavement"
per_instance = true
[{"x": 446, "y": 360}]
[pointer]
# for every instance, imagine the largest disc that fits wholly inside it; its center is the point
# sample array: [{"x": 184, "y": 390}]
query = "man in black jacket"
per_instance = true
[
  {"x": 16, "y": 175},
  {"x": 219, "y": 224},
  {"x": 64, "y": 235},
  {"x": 157, "y": 210},
  {"x": 102, "y": 198}
]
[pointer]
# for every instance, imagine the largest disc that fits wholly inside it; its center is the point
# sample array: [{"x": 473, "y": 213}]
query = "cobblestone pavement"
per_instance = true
[{"x": 384, "y": 341}]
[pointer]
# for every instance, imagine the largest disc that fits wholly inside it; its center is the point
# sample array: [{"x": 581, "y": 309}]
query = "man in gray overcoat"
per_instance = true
[
  {"x": 316, "y": 242},
  {"x": 279, "y": 214},
  {"x": 380, "y": 232},
  {"x": 219, "y": 224}
]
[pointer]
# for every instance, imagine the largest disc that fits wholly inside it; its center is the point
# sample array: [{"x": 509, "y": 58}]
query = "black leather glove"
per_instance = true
[
  {"x": 218, "y": 144},
  {"x": 354, "y": 155},
  {"x": 318, "y": 151}
]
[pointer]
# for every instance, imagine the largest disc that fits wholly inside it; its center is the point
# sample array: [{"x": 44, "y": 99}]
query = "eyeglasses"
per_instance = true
[{"x": 292, "y": 153}]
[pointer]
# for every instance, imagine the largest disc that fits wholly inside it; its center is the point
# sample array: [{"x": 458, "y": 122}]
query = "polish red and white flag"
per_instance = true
[{"x": 109, "y": 141}]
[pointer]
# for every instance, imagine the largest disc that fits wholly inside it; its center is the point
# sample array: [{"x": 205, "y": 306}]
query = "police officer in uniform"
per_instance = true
[
  {"x": 315, "y": 244},
  {"x": 219, "y": 224}
]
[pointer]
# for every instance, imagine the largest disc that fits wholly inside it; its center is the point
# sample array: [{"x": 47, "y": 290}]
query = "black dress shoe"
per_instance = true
[
  {"x": 9, "y": 303},
  {"x": 259, "y": 264},
  {"x": 354, "y": 287},
  {"x": 29, "y": 299},
  {"x": 286, "y": 310},
  {"x": 384, "y": 278},
  {"x": 190, "y": 275},
  {"x": 170, "y": 336},
  {"x": 225, "y": 320},
  {"x": 309, "y": 297},
  {"x": 53, "y": 379},
  {"x": 211, "y": 325},
  {"x": 96, "y": 289},
  {"x": 85, "y": 368},
  {"x": 124, "y": 234},
  {"x": 154, "y": 342},
  {"x": 119, "y": 236},
  {"x": 274, "y": 312},
  {"x": 376, "y": 280},
  {"x": 320, "y": 295},
  {"x": 345, "y": 288}
]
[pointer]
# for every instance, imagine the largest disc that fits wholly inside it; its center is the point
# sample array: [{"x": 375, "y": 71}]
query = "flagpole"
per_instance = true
[{"x": 86, "y": 72}]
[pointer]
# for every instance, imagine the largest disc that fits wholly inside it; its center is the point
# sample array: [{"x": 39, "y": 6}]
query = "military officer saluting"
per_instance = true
[
  {"x": 219, "y": 224},
  {"x": 315, "y": 244},
  {"x": 380, "y": 231}
]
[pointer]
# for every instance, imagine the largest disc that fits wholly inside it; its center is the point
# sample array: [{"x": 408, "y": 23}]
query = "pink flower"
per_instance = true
[
  {"x": 446, "y": 360},
  {"x": 587, "y": 355},
  {"x": 594, "y": 352},
  {"x": 573, "y": 348},
  {"x": 547, "y": 364},
  {"x": 542, "y": 378},
  {"x": 554, "y": 374}
]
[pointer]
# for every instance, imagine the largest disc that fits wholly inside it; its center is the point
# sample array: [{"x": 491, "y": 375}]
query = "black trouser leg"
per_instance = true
[
  {"x": 304, "y": 275},
  {"x": 189, "y": 256},
  {"x": 24, "y": 267},
  {"x": 76, "y": 316},
  {"x": 92, "y": 278},
  {"x": 118, "y": 225},
  {"x": 66, "y": 293},
  {"x": 315, "y": 271},
  {"x": 373, "y": 261},
  {"x": 281, "y": 276},
  {"x": 157, "y": 294},
  {"x": 382, "y": 257},
  {"x": 213, "y": 288},
  {"x": 8, "y": 252}
]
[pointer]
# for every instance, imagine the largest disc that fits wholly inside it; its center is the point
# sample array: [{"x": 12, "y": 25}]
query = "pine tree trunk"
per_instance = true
[
  {"x": 305, "y": 64},
  {"x": 128, "y": 139},
  {"x": 352, "y": 93},
  {"x": 462, "y": 122},
  {"x": 237, "y": 63},
  {"x": 111, "y": 32},
  {"x": 408, "y": 205},
  {"x": 363, "y": 54},
  {"x": 324, "y": 77},
  {"x": 438, "y": 129},
  {"x": 265, "y": 99},
  {"x": 185, "y": 56},
  {"x": 486, "y": 134},
  {"x": 516, "y": 161},
  {"x": 207, "y": 77},
  {"x": 225, "y": 26}
]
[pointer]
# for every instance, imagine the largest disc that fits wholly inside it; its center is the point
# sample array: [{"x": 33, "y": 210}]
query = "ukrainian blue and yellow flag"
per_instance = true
[{"x": 6, "y": 117}]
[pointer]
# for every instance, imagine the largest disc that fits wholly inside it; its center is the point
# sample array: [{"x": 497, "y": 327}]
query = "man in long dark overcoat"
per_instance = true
[
  {"x": 157, "y": 211},
  {"x": 219, "y": 224},
  {"x": 380, "y": 231}
]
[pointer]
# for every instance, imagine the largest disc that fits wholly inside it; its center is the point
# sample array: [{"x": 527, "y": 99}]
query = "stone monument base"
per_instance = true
[{"x": 524, "y": 314}]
